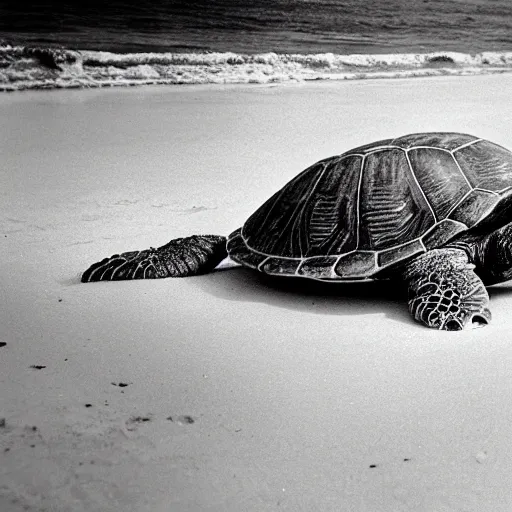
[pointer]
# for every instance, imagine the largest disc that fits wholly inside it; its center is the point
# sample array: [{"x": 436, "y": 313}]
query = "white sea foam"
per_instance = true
[{"x": 24, "y": 68}]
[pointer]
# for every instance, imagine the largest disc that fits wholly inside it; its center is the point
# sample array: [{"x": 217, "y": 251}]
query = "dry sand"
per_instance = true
[{"x": 227, "y": 392}]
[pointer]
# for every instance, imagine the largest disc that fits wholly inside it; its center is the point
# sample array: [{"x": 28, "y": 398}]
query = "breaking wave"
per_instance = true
[{"x": 24, "y": 67}]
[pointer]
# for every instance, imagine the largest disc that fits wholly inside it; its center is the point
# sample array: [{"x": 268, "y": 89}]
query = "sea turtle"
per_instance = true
[{"x": 431, "y": 210}]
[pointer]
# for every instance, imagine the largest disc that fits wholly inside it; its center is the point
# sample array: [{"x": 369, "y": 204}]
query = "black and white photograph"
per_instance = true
[{"x": 256, "y": 256}]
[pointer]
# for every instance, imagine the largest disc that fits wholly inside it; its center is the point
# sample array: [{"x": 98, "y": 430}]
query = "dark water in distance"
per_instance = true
[{"x": 255, "y": 26}]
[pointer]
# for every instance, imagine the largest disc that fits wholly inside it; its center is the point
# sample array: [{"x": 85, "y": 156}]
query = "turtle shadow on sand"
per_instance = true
[
  {"x": 299, "y": 294},
  {"x": 498, "y": 290}
]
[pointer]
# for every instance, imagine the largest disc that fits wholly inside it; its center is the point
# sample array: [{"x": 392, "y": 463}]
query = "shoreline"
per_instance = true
[
  {"x": 26, "y": 68},
  {"x": 308, "y": 85},
  {"x": 388, "y": 75}
]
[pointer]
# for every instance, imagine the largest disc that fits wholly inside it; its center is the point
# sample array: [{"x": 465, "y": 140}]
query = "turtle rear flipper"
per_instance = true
[{"x": 181, "y": 257}]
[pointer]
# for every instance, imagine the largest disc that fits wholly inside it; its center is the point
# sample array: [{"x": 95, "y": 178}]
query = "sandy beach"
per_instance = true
[{"x": 229, "y": 392}]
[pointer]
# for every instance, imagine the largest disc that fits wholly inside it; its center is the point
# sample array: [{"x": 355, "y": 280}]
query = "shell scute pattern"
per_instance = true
[
  {"x": 356, "y": 265},
  {"x": 446, "y": 141},
  {"x": 318, "y": 266},
  {"x": 441, "y": 233},
  {"x": 400, "y": 253},
  {"x": 487, "y": 166},
  {"x": 393, "y": 209},
  {"x": 330, "y": 221},
  {"x": 280, "y": 266},
  {"x": 474, "y": 207},
  {"x": 353, "y": 215},
  {"x": 438, "y": 173},
  {"x": 274, "y": 228}
]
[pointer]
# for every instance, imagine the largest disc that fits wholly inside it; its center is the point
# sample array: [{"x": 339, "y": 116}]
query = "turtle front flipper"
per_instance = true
[
  {"x": 444, "y": 291},
  {"x": 197, "y": 254}
]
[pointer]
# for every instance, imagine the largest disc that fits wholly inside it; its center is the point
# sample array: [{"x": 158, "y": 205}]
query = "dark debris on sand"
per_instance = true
[
  {"x": 136, "y": 420},
  {"x": 139, "y": 419},
  {"x": 182, "y": 420}
]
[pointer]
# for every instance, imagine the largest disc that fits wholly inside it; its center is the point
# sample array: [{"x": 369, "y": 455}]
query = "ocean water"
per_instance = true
[{"x": 241, "y": 41}]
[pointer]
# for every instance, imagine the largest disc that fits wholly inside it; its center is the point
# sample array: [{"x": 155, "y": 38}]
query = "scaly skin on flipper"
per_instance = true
[
  {"x": 197, "y": 254},
  {"x": 444, "y": 291}
]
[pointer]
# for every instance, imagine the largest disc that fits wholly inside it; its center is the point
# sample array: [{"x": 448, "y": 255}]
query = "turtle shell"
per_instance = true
[{"x": 353, "y": 215}]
